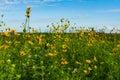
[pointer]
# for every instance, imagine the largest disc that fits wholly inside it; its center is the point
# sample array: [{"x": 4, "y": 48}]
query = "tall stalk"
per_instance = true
[{"x": 27, "y": 27}]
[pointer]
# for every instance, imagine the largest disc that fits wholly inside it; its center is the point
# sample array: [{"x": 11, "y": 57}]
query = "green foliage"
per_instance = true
[{"x": 50, "y": 56}]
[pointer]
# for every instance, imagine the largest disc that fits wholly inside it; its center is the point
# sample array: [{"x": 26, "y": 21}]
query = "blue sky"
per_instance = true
[{"x": 87, "y": 13}]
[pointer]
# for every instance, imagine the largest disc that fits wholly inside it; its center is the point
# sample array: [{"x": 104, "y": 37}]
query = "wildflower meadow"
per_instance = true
[{"x": 80, "y": 54}]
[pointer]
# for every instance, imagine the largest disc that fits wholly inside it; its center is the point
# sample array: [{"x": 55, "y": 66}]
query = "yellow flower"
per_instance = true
[
  {"x": 30, "y": 42},
  {"x": 64, "y": 62},
  {"x": 14, "y": 31},
  {"x": 4, "y": 47},
  {"x": 39, "y": 38},
  {"x": 88, "y": 61},
  {"x": 22, "y": 53},
  {"x": 78, "y": 63},
  {"x": 57, "y": 28},
  {"x": 64, "y": 50},
  {"x": 89, "y": 44},
  {"x": 82, "y": 34},
  {"x": 48, "y": 44},
  {"x": 28, "y": 10},
  {"x": 52, "y": 54},
  {"x": 28, "y": 15},
  {"x": 66, "y": 39},
  {"x": 85, "y": 71},
  {"x": 66, "y": 25},
  {"x": 95, "y": 59},
  {"x": 95, "y": 66},
  {"x": 6, "y": 34},
  {"x": 8, "y": 42},
  {"x": 29, "y": 7},
  {"x": 89, "y": 68},
  {"x": 64, "y": 46},
  {"x": 16, "y": 34}
]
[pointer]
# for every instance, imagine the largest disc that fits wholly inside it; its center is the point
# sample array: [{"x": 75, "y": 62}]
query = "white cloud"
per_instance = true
[
  {"x": 31, "y": 1},
  {"x": 110, "y": 10},
  {"x": 11, "y": 2},
  {"x": 37, "y": 3},
  {"x": 51, "y": 0},
  {"x": 6, "y": 4},
  {"x": 52, "y": 5},
  {"x": 40, "y": 1}
]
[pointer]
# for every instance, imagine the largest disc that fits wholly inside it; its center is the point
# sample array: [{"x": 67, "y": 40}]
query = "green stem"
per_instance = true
[
  {"x": 28, "y": 25},
  {"x": 24, "y": 30}
]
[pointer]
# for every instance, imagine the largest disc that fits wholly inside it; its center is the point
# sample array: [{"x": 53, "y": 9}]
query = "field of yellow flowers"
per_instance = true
[{"x": 80, "y": 55}]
